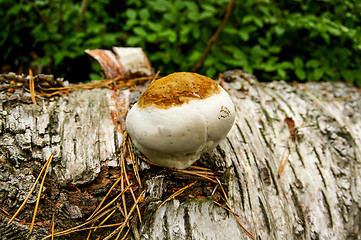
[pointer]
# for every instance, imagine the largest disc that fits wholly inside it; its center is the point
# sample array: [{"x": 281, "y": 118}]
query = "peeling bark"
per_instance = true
[{"x": 317, "y": 196}]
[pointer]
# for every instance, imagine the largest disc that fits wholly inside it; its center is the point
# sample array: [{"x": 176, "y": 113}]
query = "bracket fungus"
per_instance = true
[{"x": 179, "y": 117}]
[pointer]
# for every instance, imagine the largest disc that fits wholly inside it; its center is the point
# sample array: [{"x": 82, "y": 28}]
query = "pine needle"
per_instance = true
[
  {"x": 131, "y": 190},
  {"x": 121, "y": 82},
  {"x": 231, "y": 211},
  {"x": 77, "y": 228},
  {"x": 283, "y": 163},
  {"x": 196, "y": 173},
  {"x": 52, "y": 227},
  {"x": 90, "y": 232},
  {"x": 32, "y": 189},
  {"x": 122, "y": 188},
  {"x": 121, "y": 227},
  {"x": 105, "y": 219},
  {"x": 115, "y": 183},
  {"x": 134, "y": 161},
  {"x": 39, "y": 196},
  {"x": 113, "y": 200},
  {"x": 177, "y": 193},
  {"x": 32, "y": 86},
  {"x": 82, "y": 229},
  {"x": 125, "y": 235},
  {"x": 101, "y": 203}
]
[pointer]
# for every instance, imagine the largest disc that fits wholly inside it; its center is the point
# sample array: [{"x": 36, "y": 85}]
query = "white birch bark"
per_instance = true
[{"x": 317, "y": 195}]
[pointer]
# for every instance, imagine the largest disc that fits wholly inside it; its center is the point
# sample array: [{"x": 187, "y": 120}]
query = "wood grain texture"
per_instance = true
[{"x": 317, "y": 196}]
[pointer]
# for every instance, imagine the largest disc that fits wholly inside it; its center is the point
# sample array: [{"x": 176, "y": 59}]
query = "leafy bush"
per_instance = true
[{"x": 289, "y": 40}]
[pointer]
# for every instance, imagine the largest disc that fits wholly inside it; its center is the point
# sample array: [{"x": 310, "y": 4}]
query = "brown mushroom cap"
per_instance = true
[{"x": 176, "y": 89}]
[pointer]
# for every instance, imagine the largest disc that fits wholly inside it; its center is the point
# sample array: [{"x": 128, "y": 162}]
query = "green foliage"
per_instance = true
[
  {"x": 54, "y": 34},
  {"x": 290, "y": 40}
]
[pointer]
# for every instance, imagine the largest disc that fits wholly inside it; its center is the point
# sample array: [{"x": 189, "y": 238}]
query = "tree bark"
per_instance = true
[{"x": 313, "y": 129}]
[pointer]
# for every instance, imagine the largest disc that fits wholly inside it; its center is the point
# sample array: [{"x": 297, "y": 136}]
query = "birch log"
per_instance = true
[{"x": 313, "y": 129}]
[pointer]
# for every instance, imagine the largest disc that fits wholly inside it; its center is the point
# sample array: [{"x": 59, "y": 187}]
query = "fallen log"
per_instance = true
[{"x": 291, "y": 164}]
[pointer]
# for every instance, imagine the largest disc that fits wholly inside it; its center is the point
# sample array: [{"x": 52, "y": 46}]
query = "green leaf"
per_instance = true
[
  {"x": 300, "y": 74},
  {"x": 326, "y": 37},
  {"x": 131, "y": 13},
  {"x": 282, "y": 74},
  {"x": 274, "y": 49},
  {"x": 211, "y": 72},
  {"x": 298, "y": 63},
  {"x": 155, "y": 27},
  {"x": 133, "y": 41},
  {"x": 247, "y": 19},
  {"x": 144, "y": 14},
  {"x": 205, "y": 15},
  {"x": 94, "y": 76},
  {"x": 258, "y": 22},
  {"x": 151, "y": 37},
  {"x": 286, "y": 65},
  {"x": 244, "y": 35},
  {"x": 279, "y": 30},
  {"x": 348, "y": 75},
  {"x": 193, "y": 16},
  {"x": 358, "y": 81},
  {"x": 313, "y": 63},
  {"x": 140, "y": 31},
  {"x": 317, "y": 74},
  {"x": 334, "y": 31}
]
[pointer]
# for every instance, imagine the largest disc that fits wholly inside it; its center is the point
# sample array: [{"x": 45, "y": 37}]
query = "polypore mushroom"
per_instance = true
[{"x": 179, "y": 117}]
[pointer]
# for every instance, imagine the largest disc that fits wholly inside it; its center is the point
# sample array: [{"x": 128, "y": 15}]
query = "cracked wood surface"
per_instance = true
[{"x": 317, "y": 196}]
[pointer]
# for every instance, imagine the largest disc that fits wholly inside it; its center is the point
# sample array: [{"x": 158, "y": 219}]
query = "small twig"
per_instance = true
[
  {"x": 177, "y": 193},
  {"x": 38, "y": 12},
  {"x": 215, "y": 36},
  {"x": 32, "y": 189},
  {"x": 83, "y": 7}
]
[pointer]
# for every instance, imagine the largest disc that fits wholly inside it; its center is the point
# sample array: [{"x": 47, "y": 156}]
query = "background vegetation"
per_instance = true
[{"x": 289, "y": 40}]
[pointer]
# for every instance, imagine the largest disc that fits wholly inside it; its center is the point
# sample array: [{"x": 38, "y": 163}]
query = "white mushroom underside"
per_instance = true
[{"x": 177, "y": 136}]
